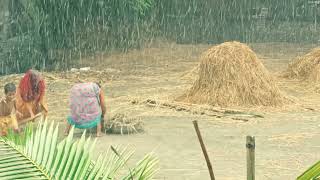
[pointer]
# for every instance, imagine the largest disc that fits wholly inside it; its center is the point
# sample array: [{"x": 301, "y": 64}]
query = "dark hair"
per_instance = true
[
  {"x": 10, "y": 87},
  {"x": 99, "y": 84}
]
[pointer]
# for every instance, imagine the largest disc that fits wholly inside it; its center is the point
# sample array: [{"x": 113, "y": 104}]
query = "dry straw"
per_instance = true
[
  {"x": 306, "y": 68},
  {"x": 230, "y": 74}
]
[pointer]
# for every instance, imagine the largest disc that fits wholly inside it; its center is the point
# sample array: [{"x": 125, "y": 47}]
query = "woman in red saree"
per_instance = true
[{"x": 30, "y": 97}]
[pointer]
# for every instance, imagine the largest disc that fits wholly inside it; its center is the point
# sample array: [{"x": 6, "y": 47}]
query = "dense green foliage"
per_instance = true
[{"x": 53, "y": 34}]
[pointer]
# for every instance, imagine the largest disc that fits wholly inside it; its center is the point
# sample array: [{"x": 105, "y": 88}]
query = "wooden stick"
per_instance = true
[
  {"x": 195, "y": 124},
  {"x": 23, "y": 121},
  {"x": 250, "y": 145}
]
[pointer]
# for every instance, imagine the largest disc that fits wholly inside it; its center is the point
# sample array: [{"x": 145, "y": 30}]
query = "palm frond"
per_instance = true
[
  {"x": 145, "y": 169},
  {"x": 20, "y": 138},
  {"x": 312, "y": 173},
  {"x": 15, "y": 165},
  {"x": 43, "y": 157}
]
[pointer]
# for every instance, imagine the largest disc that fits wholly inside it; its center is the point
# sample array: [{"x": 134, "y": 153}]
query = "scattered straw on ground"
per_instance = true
[
  {"x": 195, "y": 109},
  {"x": 306, "y": 68},
  {"x": 121, "y": 123},
  {"x": 230, "y": 74}
]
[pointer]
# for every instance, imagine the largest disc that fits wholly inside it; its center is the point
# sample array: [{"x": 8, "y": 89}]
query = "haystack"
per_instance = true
[
  {"x": 306, "y": 67},
  {"x": 230, "y": 74}
]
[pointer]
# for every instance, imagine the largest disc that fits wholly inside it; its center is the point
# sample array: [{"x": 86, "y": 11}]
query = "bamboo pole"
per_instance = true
[
  {"x": 195, "y": 123},
  {"x": 250, "y": 145}
]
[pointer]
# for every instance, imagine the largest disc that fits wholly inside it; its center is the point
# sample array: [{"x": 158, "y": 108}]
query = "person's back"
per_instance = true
[{"x": 86, "y": 106}]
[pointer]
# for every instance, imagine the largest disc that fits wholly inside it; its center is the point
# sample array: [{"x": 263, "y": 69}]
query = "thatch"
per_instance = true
[
  {"x": 306, "y": 68},
  {"x": 230, "y": 74}
]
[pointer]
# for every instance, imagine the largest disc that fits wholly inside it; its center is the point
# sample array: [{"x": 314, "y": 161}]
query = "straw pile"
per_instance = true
[
  {"x": 230, "y": 74},
  {"x": 306, "y": 68},
  {"x": 122, "y": 124}
]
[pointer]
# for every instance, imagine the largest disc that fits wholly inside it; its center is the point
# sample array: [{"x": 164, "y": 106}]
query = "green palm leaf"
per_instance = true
[
  {"x": 14, "y": 164},
  {"x": 20, "y": 139},
  {"x": 42, "y": 157},
  {"x": 312, "y": 173},
  {"x": 145, "y": 169}
]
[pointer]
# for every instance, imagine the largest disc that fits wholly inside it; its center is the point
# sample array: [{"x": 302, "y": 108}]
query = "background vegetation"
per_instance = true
[{"x": 51, "y": 34}]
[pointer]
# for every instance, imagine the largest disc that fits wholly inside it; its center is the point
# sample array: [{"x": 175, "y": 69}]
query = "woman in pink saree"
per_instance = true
[{"x": 87, "y": 107}]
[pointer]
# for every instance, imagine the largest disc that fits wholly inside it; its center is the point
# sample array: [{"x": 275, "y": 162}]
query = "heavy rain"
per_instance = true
[{"x": 160, "y": 89}]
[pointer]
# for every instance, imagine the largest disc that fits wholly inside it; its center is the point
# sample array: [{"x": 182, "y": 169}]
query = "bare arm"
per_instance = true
[
  {"x": 18, "y": 113},
  {"x": 18, "y": 98},
  {"x": 43, "y": 103},
  {"x": 14, "y": 108},
  {"x": 102, "y": 102}
]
